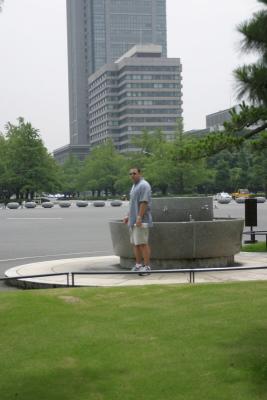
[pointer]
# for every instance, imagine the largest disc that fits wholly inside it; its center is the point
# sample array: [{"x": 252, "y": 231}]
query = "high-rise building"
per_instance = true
[
  {"x": 99, "y": 32},
  {"x": 141, "y": 90}
]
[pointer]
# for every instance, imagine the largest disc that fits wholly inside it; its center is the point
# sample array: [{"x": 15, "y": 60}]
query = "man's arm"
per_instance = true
[{"x": 141, "y": 213}]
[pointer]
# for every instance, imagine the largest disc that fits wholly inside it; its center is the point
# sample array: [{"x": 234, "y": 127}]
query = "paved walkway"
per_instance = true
[{"x": 110, "y": 263}]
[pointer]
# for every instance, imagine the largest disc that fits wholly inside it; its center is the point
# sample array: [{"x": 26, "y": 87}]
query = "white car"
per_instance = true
[{"x": 223, "y": 198}]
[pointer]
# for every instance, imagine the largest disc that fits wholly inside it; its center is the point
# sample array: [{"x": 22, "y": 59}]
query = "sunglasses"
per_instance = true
[{"x": 132, "y": 173}]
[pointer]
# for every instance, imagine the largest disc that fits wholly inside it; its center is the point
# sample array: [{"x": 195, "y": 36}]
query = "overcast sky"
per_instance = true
[{"x": 33, "y": 63}]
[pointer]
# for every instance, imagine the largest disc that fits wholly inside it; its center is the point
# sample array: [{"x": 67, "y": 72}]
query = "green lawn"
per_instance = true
[
  {"x": 187, "y": 342},
  {"x": 256, "y": 247}
]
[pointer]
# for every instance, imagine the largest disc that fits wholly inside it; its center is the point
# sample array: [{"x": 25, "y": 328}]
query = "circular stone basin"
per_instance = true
[
  {"x": 181, "y": 209},
  {"x": 116, "y": 203},
  {"x": 47, "y": 204},
  {"x": 64, "y": 204},
  {"x": 81, "y": 203},
  {"x": 30, "y": 204},
  {"x": 99, "y": 203},
  {"x": 183, "y": 244},
  {"x": 13, "y": 205}
]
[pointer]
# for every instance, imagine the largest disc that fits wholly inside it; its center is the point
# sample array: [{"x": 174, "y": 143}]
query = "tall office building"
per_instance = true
[
  {"x": 141, "y": 90},
  {"x": 99, "y": 32}
]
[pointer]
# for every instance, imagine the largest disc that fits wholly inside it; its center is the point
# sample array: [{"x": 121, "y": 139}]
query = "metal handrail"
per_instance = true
[
  {"x": 253, "y": 233},
  {"x": 190, "y": 271},
  {"x": 258, "y": 232},
  {"x": 9, "y": 278}
]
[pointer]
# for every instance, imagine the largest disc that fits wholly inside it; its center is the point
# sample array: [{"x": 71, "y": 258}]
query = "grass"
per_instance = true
[
  {"x": 255, "y": 247},
  {"x": 142, "y": 343}
]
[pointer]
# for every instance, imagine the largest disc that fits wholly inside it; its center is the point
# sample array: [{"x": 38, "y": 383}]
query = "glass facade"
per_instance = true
[{"x": 97, "y": 33}]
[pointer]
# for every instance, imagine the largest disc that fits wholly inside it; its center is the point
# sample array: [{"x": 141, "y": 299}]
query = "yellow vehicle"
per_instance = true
[{"x": 244, "y": 193}]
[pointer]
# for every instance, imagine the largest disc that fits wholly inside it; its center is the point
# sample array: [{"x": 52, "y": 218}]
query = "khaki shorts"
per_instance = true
[{"x": 139, "y": 235}]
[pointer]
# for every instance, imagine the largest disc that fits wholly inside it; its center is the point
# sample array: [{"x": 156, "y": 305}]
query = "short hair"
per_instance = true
[{"x": 137, "y": 168}]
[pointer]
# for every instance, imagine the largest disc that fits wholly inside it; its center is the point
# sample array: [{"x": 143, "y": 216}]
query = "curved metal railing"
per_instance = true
[{"x": 70, "y": 276}]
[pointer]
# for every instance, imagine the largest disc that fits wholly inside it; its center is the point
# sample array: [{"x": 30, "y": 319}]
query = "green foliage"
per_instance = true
[
  {"x": 172, "y": 167},
  {"x": 103, "y": 170},
  {"x": 244, "y": 167},
  {"x": 169, "y": 165},
  {"x": 155, "y": 160},
  {"x": 248, "y": 116},
  {"x": 251, "y": 84},
  {"x": 70, "y": 172},
  {"x": 25, "y": 163},
  {"x": 252, "y": 79},
  {"x": 2, "y": 161},
  {"x": 259, "y": 165},
  {"x": 190, "y": 173}
]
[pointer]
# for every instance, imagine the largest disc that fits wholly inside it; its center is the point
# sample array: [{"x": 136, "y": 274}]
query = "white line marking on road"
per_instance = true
[
  {"x": 34, "y": 218},
  {"x": 53, "y": 255}
]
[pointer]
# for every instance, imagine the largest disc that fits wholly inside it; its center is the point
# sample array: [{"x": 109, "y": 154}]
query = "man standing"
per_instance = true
[{"x": 139, "y": 220}]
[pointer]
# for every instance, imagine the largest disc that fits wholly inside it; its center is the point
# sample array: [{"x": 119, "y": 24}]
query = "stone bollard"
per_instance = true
[
  {"x": 116, "y": 203},
  {"x": 81, "y": 203},
  {"x": 30, "y": 204},
  {"x": 99, "y": 203},
  {"x": 13, "y": 205},
  {"x": 47, "y": 204},
  {"x": 64, "y": 204}
]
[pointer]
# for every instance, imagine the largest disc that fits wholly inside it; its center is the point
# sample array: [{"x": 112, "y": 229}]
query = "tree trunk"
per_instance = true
[{"x": 180, "y": 183}]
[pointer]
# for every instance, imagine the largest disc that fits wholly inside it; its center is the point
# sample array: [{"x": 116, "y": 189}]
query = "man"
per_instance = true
[{"x": 139, "y": 220}]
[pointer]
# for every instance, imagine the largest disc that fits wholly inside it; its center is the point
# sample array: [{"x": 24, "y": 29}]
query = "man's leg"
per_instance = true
[
  {"x": 142, "y": 250},
  {"x": 145, "y": 251},
  {"x": 138, "y": 254}
]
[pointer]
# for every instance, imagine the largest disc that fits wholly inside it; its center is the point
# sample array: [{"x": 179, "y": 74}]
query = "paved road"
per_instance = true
[
  {"x": 29, "y": 235},
  {"x": 236, "y": 210},
  {"x": 39, "y": 234}
]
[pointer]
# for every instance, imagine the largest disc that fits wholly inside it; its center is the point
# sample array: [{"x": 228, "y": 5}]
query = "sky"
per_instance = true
[{"x": 33, "y": 60}]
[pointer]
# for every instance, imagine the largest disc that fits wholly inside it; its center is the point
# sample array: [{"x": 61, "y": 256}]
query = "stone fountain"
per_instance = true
[{"x": 185, "y": 235}]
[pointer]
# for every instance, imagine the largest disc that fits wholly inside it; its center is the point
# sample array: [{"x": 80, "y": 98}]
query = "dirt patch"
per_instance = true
[{"x": 70, "y": 299}]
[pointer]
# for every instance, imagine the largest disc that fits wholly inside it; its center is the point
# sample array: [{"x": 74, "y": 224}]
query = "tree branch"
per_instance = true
[{"x": 261, "y": 128}]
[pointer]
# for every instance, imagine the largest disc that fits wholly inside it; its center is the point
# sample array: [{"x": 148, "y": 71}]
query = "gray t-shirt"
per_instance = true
[{"x": 140, "y": 192}]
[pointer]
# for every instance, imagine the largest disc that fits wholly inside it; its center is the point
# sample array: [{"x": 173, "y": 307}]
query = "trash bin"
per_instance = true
[
  {"x": 251, "y": 218},
  {"x": 251, "y": 212}
]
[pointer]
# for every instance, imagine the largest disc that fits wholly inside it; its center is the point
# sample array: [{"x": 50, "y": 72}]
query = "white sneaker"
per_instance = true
[
  {"x": 136, "y": 268},
  {"x": 144, "y": 270}
]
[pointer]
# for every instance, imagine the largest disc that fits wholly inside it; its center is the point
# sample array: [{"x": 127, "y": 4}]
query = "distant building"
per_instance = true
[
  {"x": 141, "y": 90},
  {"x": 99, "y": 32},
  {"x": 197, "y": 132},
  {"x": 215, "y": 121},
  {"x": 63, "y": 153}
]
